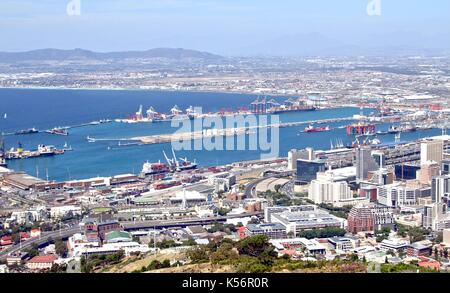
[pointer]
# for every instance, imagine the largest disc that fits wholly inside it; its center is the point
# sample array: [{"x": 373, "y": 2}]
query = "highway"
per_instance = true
[
  {"x": 65, "y": 233},
  {"x": 250, "y": 188},
  {"x": 129, "y": 226}
]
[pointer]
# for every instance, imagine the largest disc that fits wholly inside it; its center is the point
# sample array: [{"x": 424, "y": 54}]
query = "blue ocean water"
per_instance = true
[{"x": 45, "y": 109}]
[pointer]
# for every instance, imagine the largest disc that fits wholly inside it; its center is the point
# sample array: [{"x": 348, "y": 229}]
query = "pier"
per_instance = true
[{"x": 186, "y": 136}]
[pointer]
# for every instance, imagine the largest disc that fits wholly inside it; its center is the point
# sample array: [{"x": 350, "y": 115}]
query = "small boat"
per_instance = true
[
  {"x": 67, "y": 148},
  {"x": 90, "y": 139}
]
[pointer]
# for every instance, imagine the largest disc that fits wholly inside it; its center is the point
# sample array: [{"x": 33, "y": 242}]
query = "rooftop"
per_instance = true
[
  {"x": 43, "y": 259},
  {"x": 117, "y": 234}
]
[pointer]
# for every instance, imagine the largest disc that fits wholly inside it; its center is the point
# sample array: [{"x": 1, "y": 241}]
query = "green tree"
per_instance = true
[
  {"x": 254, "y": 246},
  {"x": 224, "y": 253},
  {"x": 165, "y": 263},
  {"x": 61, "y": 247},
  {"x": 198, "y": 254}
]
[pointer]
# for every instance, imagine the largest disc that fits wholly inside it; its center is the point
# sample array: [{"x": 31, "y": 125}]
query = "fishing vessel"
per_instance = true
[{"x": 312, "y": 129}]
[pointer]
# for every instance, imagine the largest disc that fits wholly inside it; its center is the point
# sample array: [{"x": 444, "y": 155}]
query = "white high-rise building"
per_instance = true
[
  {"x": 431, "y": 150},
  {"x": 397, "y": 195},
  {"x": 325, "y": 189}
]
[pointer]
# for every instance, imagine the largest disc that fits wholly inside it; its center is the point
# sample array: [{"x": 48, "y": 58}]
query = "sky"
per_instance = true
[{"x": 228, "y": 27}]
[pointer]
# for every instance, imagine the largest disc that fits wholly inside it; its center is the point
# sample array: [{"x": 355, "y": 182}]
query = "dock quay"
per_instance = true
[{"x": 186, "y": 136}]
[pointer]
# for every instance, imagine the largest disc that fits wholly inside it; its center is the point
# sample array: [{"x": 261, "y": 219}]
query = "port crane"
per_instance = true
[
  {"x": 175, "y": 164},
  {"x": 2, "y": 148},
  {"x": 2, "y": 152}
]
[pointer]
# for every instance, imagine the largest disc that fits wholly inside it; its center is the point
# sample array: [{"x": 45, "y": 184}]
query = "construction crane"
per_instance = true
[{"x": 2, "y": 152}]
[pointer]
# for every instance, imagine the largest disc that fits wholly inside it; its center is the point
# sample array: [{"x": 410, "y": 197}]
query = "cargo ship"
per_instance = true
[
  {"x": 282, "y": 110},
  {"x": 312, "y": 129},
  {"x": 42, "y": 151},
  {"x": 173, "y": 165},
  {"x": 154, "y": 168},
  {"x": 401, "y": 129}
]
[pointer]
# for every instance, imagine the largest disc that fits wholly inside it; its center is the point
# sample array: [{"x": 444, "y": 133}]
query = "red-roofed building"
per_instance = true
[
  {"x": 241, "y": 232},
  {"x": 24, "y": 236},
  {"x": 429, "y": 263},
  {"x": 35, "y": 233},
  {"x": 6, "y": 240},
  {"x": 41, "y": 262}
]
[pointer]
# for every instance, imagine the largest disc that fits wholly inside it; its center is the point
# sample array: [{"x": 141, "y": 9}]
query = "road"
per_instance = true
[
  {"x": 249, "y": 189},
  {"x": 65, "y": 233},
  {"x": 288, "y": 189}
]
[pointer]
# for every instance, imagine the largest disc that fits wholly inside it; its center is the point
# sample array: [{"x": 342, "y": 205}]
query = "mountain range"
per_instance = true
[{"x": 81, "y": 54}]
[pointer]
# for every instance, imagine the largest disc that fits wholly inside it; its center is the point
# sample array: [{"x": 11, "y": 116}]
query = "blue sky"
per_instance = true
[{"x": 220, "y": 26}]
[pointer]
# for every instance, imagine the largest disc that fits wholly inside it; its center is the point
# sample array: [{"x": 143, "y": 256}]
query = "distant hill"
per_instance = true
[
  {"x": 315, "y": 44},
  {"x": 80, "y": 54}
]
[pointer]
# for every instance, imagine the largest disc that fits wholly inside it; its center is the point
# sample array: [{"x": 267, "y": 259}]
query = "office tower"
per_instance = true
[
  {"x": 431, "y": 150},
  {"x": 427, "y": 171},
  {"x": 440, "y": 189},
  {"x": 307, "y": 170},
  {"x": 294, "y": 155},
  {"x": 365, "y": 163}
]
